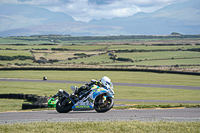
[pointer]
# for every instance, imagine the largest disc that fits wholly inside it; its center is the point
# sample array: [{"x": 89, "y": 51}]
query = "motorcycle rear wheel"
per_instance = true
[
  {"x": 65, "y": 109},
  {"x": 106, "y": 106}
]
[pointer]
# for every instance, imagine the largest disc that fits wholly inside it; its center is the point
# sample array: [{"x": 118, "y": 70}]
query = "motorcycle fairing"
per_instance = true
[
  {"x": 84, "y": 104},
  {"x": 97, "y": 91},
  {"x": 87, "y": 103}
]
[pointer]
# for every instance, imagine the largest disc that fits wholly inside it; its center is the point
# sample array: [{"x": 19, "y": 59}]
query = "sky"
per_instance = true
[{"x": 86, "y": 10}]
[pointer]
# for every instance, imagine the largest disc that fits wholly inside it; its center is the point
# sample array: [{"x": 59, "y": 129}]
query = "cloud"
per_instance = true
[{"x": 86, "y": 10}]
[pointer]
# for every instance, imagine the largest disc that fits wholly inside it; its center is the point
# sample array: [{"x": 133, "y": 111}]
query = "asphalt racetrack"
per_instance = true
[{"x": 179, "y": 115}]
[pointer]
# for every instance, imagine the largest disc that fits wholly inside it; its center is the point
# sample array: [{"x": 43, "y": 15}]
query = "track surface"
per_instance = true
[{"x": 186, "y": 114}]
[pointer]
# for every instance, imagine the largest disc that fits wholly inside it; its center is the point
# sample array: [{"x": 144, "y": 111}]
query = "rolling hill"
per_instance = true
[{"x": 24, "y": 20}]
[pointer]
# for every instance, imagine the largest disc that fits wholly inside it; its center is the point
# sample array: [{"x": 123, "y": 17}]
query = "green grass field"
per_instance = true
[
  {"x": 10, "y": 105},
  {"x": 27, "y": 47},
  {"x": 93, "y": 59},
  {"x": 64, "y": 55},
  {"x": 103, "y": 127},
  {"x": 148, "y": 58},
  {"x": 84, "y": 47},
  {"x": 159, "y": 55},
  {"x": 18, "y": 40},
  {"x": 149, "y": 47},
  {"x": 17, "y": 61},
  {"x": 14, "y": 53},
  {"x": 167, "y": 62},
  {"x": 170, "y": 62}
]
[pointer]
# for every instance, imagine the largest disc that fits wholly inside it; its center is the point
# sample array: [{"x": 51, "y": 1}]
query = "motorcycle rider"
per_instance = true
[
  {"x": 81, "y": 92},
  {"x": 85, "y": 88}
]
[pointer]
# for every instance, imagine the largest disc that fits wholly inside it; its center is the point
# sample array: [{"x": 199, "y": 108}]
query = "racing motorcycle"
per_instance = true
[{"x": 98, "y": 98}]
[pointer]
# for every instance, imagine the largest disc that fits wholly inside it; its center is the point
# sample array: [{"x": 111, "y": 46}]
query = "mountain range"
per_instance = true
[{"x": 25, "y": 20}]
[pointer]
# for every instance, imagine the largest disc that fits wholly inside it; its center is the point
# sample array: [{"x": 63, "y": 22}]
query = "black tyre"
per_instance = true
[
  {"x": 104, "y": 107},
  {"x": 64, "y": 109}
]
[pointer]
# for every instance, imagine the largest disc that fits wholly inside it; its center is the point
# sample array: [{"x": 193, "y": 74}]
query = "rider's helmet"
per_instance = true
[{"x": 106, "y": 82}]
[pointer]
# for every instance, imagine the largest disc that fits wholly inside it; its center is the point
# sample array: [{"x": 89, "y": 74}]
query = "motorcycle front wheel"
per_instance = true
[
  {"x": 103, "y": 107},
  {"x": 64, "y": 108}
]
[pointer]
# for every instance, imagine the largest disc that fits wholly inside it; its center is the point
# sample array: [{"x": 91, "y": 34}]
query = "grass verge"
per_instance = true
[
  {"x": 158, "y": 106},
  {"x": 10, "y": 105},
  {"x": 103, "y": 127}
]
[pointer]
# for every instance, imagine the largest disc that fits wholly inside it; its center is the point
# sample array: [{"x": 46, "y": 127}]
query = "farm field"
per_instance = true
[
  {"x": 166, "y": 53},
  {"x": 185, "y": 63},
  {"x": 14, "y": 53},
  {"x": 160, "y": 55},
  {"x": 148, "y": 52},
  {"x": 26, "y": 47},
  {"x": 150, "y": 47},
  {"x": 84, "y": 47},
  {"x": 17, "y": 61}
]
